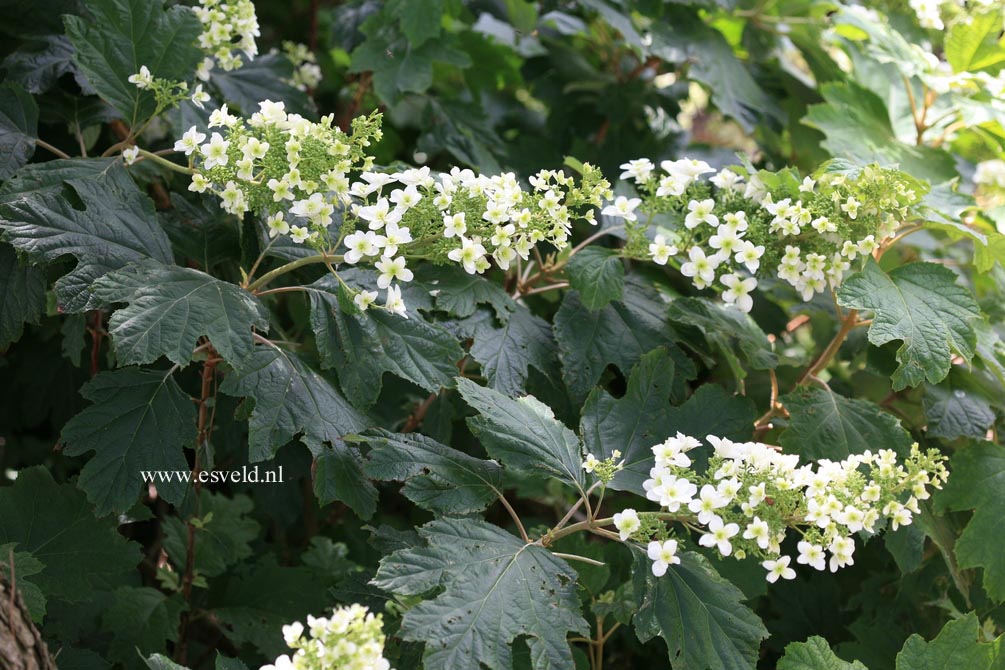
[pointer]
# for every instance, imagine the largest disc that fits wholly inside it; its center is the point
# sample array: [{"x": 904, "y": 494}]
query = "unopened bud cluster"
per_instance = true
[
  {"x": 352, "y": 638},
  {"x": 229, "y": 28},
  {"x": 604, "y": 470},
  {"x": 752, "y": 497}
]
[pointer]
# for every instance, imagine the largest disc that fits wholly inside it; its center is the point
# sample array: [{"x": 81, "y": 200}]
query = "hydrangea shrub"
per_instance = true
[{"x": 449, "y": 335}]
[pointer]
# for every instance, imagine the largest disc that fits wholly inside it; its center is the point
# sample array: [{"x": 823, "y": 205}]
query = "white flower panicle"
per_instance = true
[
  {"x": 751, "y": 497},
  {"x": 300, "y": 176},
  {"x": 229, "y": 28},
  {"x": 352, "y": 638},
  {"x": 727, "y": 231}
]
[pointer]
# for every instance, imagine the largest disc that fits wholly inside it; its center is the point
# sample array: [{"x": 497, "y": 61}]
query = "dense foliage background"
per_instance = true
[{"x": 106, "y": 375}]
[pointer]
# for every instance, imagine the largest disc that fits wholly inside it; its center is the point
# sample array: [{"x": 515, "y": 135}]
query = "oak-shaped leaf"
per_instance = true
[
  {"x": 56, "y": 525},
  {"x": 139, "y": 422},
  {"x": 978, "y": 483},
  {"x": 263, "y": 78},
  {"x": 362, "y": 346},
  {"x": 733, "y": 334},
  {"x": 170, "y": 308},
  {"x": 22, "y": 295},
  {"x": 507, "y": 347},
  {"x": 922, "y": 305},
  {"x": 254, "y": 600},
  {"x": 598, "y": 273},
  {"x": 814, "y": 654},
  {"x": 121, "y": 36},
  {"x": 115, "y": 226},
  {"x": 143, "y": 619},
  {"x": 957, "y": 645},
  {"x": 290, "y": 399},
  {"x": 823, "y": 424},
  {"x": 222, "y": 539},
  {"x": 524, "y": 434},
  {"x": 700, "y": 615},
  {"x": 618, "y": 334},
  {"x": 437, "y": 477},
  {"x": 18, "y": 128},
  {"x": 495, "y": 588},
  {"x": 633, "y": 423}
]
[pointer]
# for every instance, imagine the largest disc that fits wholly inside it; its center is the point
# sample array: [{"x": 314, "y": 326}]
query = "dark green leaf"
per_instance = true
[
  {"x": 459, "y": 294},
  {"x": 171, "y": 307},
  {"x": 712, "y": 62},
  {"x": 23, "y": 565},
  {"x": 954, "y": 409},
  {"x": 22, "y": 295},
  {"x": 420, "y": 19},
  {"x": 255, "y": 601},
  {"x": 48, "y": 177},
  {"x": 956, "y": 646},
  {"x": 729, "y": 330},
  {"x": 814, "y": 654},
  {"x": 598, "y": 274},
  {"x": 978, "y": 483},
  {"x": 857, "y": 125},
  {"x": 907, "y": 546},
  {"x": 619, "y": 334},
  {"x": 18, "y": 128},
  {"x": 143, "y": 619},
  {"x": 507, "y": 350},
  {"x": 495, "y": 589},
  {"x": 399, "y": 67},
  {"x": 712, "y": 410},
  {"x": 224, "y": 663},
  {"x": 222, "y": 539},
  {"x": 824, "y": 424},
  {"x": 338, "y": 475},
  {"x": 140, "y": 422},
  {"x": 362, "y": 346},
  {"x": 264, "y": 78},
  {"x": 115, "y": 227},
  {"x": 39, "y": 64},
  {"x": 162, "y": 662},
  {"x": 923, "y": 305},
  {"x": 57, "y": 526},
  {"x": 290, "y": 398},
  {"x": 437, "y": 477},
  {"x": 635, "y": 422},
  {"x": 523, "y": 433},
  {"x": 700, "y": 615},
  {"x": 123, "y": 35}
]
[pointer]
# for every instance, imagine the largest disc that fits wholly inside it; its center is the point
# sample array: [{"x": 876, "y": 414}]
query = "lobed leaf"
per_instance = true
[
  {"x": 121, "y": 36},
  {"x": 170, "y": 308},
  {"x": 18, "y": 128},
  {"x": 116, "y": 226},
  {"x": 823, "y": 424},
  {"x": 362, "y": 346},
  {"x": 495, "y": 587},
  {"x": 814, "y": 654},
  {"x": 437, "y": 477},
  {"x": 523, "y": 433},
  {"x": 598, "y": 274},
  {"x": 140, "y": 420},
  {"x": 700, "y": 615},
  {"x": 922, "y": 305}
]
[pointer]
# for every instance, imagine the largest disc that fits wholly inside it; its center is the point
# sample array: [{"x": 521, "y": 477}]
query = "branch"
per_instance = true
[
  {"x": 291, "y": 266},
  {"x": 48, "y": 147}
]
